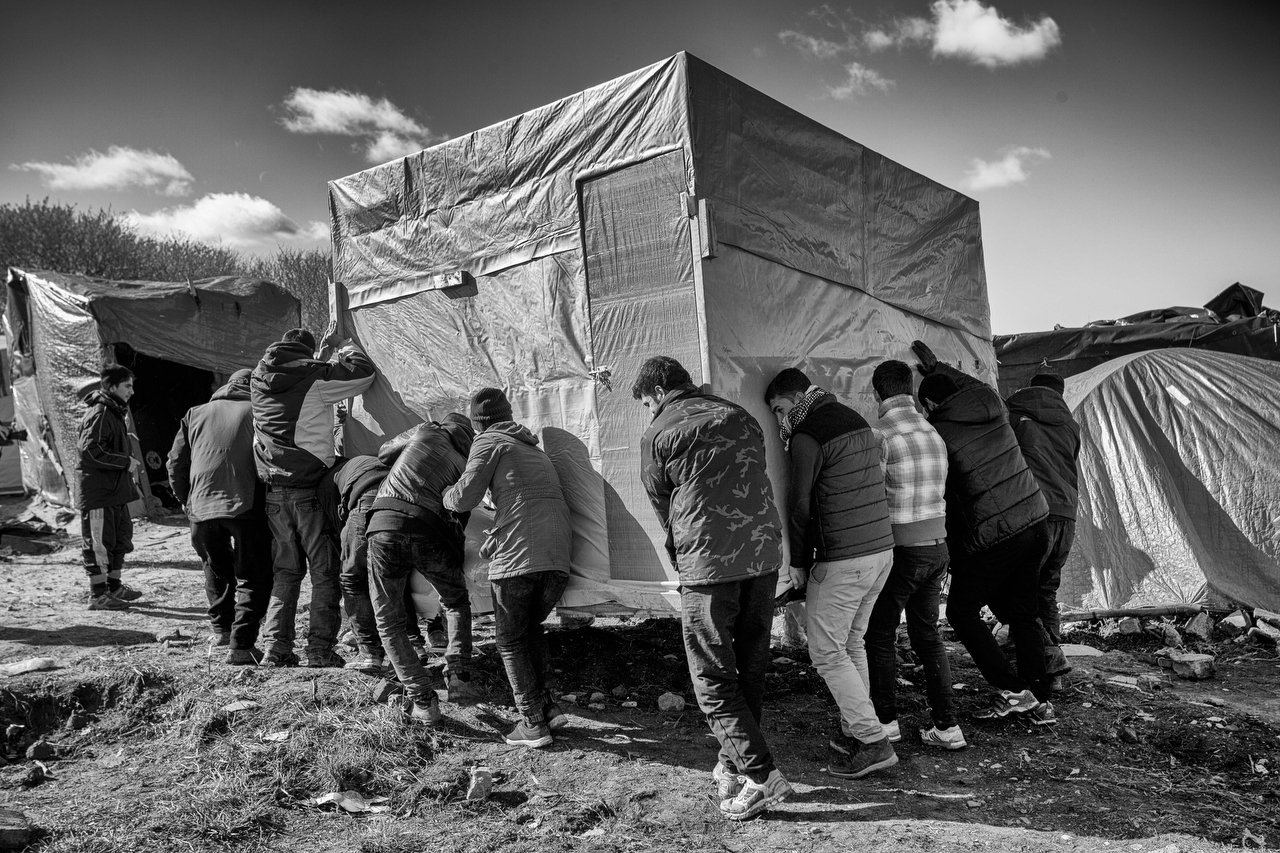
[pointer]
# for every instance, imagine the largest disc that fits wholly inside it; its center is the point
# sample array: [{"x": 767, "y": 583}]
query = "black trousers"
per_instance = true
[{"x": 237, "y": 574}]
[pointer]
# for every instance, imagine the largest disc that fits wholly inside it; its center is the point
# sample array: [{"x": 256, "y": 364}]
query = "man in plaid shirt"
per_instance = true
[{"x": 915, "y": 478}]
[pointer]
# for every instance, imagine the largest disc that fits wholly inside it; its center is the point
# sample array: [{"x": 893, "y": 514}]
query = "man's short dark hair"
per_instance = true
[
  {"x": 891, "y": 378},
  {"x": 115, "y": 374},
  {"x": 789, "y": 381},
  {"x": 937, "y": 387},
  {"x": 659, "y": 370},
  {"x": 301, "y": 336},
  {"x": 1046, "y": 379}
]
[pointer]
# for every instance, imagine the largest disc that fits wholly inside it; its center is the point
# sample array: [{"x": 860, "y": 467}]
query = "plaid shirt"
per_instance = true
[{"x": 914, "y": 462}]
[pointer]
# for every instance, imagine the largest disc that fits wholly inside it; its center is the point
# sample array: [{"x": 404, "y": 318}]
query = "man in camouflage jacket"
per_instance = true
[{"x": 704, "y": 470}]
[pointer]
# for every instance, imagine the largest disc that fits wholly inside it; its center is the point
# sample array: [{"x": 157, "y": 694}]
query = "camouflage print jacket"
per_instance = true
[{"x": 703, "y": 466}]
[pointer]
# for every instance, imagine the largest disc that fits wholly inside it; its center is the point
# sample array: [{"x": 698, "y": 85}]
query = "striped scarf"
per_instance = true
[{"x": 799, "y": 413}]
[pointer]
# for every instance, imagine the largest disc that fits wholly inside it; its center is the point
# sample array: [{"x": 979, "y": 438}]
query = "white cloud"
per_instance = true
[
  {"x": 386, "y": 131},
  {"x": 119, "y": 168},
  {"x": 1010, "y": 169},
  {"x": 966, "y": 29},
  {"x": 900, "y": 33},
  {"x": 815, "y": 46},
  {"x": 859, "y": 80},
  {"x": 236, "y": 220}
]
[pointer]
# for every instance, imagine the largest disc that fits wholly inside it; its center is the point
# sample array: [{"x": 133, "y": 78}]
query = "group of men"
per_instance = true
[
  {"x": 975, "y": 487},
  {"x": 269, "y": 501},
  {"x": 878, "y": 516}
]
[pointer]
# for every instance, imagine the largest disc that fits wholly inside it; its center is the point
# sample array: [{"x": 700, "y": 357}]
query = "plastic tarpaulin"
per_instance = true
[
  {"x": 671, "y": 211},
  {"x": 1179, "y": 481},
  {"x": 61, "y": 325}
]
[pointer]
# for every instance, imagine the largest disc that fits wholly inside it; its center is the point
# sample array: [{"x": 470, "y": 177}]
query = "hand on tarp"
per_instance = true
[{"x": 928, "y": 361}]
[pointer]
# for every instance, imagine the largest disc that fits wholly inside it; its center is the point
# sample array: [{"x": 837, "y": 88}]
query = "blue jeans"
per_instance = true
[
  {"x": 392, "y": 556},
  {"x": 300, "y": 543},
  {"x": 354, "y": 576},
  {"x": 520, "y": 604},
  {"x": 914, "y": 584},
  {"x": 726, "y": 641}
]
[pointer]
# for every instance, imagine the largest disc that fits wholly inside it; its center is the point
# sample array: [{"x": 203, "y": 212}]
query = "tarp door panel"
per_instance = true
[{"x": 642, "y": 302}]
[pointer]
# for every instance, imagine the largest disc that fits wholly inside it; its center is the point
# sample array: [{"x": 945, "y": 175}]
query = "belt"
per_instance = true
[{"x": 927, "y": 543}]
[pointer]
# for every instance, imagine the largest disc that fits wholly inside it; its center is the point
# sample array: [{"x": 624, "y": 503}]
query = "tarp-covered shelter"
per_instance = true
[
  {"x": 1179, "y": 481},
  {"x": 180, "y": 339},
  {"x": 674, "y": 211},
  {"x": 10, "y": 458},
  {"x": 1234, "y": 321}
]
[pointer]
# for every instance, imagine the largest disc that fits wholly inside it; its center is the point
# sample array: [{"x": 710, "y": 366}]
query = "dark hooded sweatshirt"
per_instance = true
[
  {"x": 105, "y": 454},
  {"x": 991, "y": 494},
  {"x": 211, "y": 467},
  {"x": 345, "y": 484},
  {"x": 293, "y": 396},
  {"x": 1050, "y": 440},
  {"x": 531, "y": 531}
]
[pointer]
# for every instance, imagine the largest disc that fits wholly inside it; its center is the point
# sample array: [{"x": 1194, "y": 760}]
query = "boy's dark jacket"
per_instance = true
[{"x": 106, "y": 478}]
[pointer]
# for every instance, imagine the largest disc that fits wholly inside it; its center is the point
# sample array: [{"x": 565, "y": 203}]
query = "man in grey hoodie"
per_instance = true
[
  {"x": 528, "y": 548},
  {"x": 211, "y": 469}
]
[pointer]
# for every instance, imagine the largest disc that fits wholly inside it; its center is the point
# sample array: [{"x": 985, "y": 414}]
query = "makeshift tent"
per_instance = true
[
  {"x": 671, "y": 211},
  {"x": 1179, "y": 481},
  {"x": 10, "y": 462},
  {"x": 180, "y": 339},
  {"x": 1234, "y": 321}
]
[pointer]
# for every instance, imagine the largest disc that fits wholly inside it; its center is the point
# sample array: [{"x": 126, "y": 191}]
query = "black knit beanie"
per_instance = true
[
  {"x": 1050, "y": 380},
  {"x": 488, "y": 407}
]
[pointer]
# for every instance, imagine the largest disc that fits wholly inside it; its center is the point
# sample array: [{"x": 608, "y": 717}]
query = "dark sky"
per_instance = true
[{"x": 1125, "y": 154}]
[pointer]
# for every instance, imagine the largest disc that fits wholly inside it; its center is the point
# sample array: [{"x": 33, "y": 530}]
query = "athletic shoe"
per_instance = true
[
  {"x": 428, "y": 714},
  {"x": 1008, "y": 702},
  {"x": 951, "y": 738},
  {"x": 461, "y": 690},
  {"x": 728, "y": 784},
  {"x": 755, "y": 798},
  {"x": 280, "y": 659},
  {"x": 532, "y": 735},
  {"x": 1043, "y": 715},
  {"x": 867, "y": 758},
  {"x": 124, "y": 592},
  {"x": 326, "y": 660},
  {"x": 245, "y": 657},
  {"x": 368, "y": 664},
  {"x": 892, "y": 731},
  {"x": 555, "y": 717},
  {"x": 107, "y": 601},
  {"x": 220, "y": 638}
]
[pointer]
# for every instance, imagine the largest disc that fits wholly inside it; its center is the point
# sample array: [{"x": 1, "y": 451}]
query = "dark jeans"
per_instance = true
[
  {"x": 1062, "y": 533},
  {"x": 301, "y": 544},
  {"x": 914, "y": 584},
  {"x": 237, "y": 574},
  {"x": 354, "y": 576},
  {"x": 392, "y": 556},
  {"x": 106, "y": 535},
  {"x": 1005, "y": 578},
  {"x": 520, "y": 604},
  {"x": 726, "y": 640}
]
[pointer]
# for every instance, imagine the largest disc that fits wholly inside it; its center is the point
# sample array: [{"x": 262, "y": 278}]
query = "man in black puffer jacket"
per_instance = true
[
  {"x": 1050, "y": 440},
  {"x": 410, "y": 530},
  {"x": 996, "y": 532}
]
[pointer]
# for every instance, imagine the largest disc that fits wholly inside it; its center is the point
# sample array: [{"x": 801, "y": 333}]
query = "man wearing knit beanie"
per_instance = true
[
  {"x": 1050, "y": 440},
  {"x": 528, "y": 548}
]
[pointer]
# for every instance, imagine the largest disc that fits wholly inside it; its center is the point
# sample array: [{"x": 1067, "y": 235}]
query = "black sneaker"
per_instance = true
[
  {"x": 867, "y": 758},
  {"x": 280, "y": 659},
  {"x": 124, "y": 592},
  {"x": 245, "y": 657},
  {"x": 326, "y": 660},
  {"x": 1008, "y": 702},
  {"x": 532, "y": 735},
  {"x": 107, "y": 601}
]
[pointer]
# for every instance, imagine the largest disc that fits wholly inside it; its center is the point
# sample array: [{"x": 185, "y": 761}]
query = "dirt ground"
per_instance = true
[{"x": 151, "y": 751}]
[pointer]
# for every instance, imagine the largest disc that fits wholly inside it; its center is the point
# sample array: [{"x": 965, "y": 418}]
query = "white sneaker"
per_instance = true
[
  {"x": 951, "y": 738},
  {"x": 892, "y": 731},
  {"x": 756, "y": 798},
  {"x": 728, "y": 785}
]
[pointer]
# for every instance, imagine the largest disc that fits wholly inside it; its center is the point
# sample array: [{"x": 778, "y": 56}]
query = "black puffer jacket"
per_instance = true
[
  {"x": 991, "y": 494},
  {"x": 344, "y": 484},
  {"x": 425, "y": 461},
  {"x": 105, "y": 454},
  {"x": 1050, "y": 440}
]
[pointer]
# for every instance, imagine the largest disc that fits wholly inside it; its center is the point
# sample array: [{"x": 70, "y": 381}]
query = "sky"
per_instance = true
[{"x": 1126, "y": 155}]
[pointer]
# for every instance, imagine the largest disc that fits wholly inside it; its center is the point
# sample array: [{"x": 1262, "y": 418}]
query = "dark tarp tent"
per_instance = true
[
  {"x": 671, "y": 211},
  {"x": 1234, "y": 321},
  {"x": 181, "y": 339},
  {"x": 1179, "y": 481}
]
